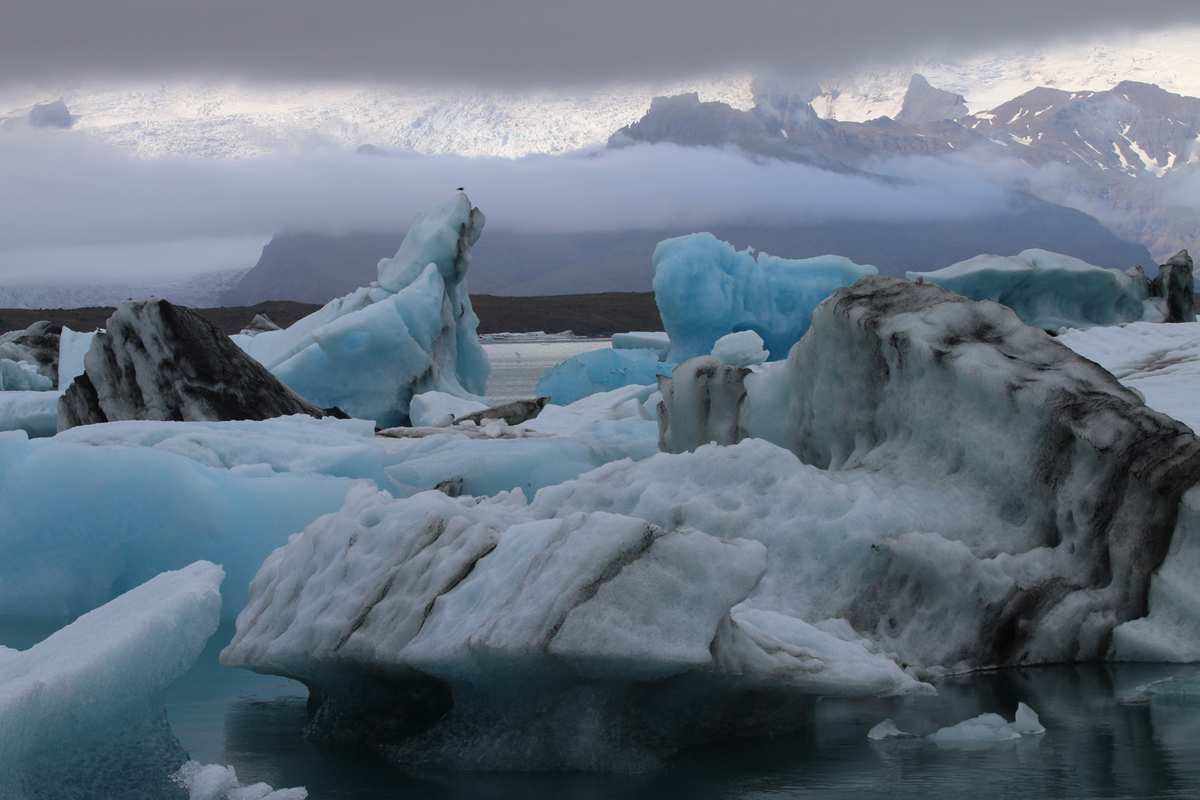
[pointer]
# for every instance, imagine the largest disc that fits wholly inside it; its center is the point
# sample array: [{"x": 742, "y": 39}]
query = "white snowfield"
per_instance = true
[
  {"x": 414, "y": 330},
  {"x": 70, "y": 704},
  {"x": 1047, "y": 290}
]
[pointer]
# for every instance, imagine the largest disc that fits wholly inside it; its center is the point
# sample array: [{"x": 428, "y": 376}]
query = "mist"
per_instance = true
[
  {"x": 67, "y": 191},
  {"x": 527, "y": 42}
]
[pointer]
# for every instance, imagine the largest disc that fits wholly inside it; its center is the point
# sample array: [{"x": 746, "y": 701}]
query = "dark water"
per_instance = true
[{"x": 1104, "y": 739}]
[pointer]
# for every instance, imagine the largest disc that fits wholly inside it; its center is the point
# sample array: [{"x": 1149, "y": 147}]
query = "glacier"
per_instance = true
[
  {"x": 706, "y": 289},
  {"x": 412, "y": 331},
  {"x": 80, "y": 712},
  {"x": 1046, "y": 290}
]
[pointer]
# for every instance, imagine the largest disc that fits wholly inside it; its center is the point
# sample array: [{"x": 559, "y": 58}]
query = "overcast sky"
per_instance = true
[{"x": 525, "y": 42}]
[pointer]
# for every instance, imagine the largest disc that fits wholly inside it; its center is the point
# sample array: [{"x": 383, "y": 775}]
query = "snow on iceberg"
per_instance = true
[
  {"x": 79, "y": 711},
  {"x": 960, "y": 401},
  {"x": 598, "y": 371},
  {"x": 741, "y": 349},
  {"x": 1160, "y": 362},
  {"x": 370, "y": 351},
  {"x": 705, "y": 289},
  {"x": 81, "y": 524},
  {"x": 1046, "y": 290},
  {"x": 658, "y": 341}
]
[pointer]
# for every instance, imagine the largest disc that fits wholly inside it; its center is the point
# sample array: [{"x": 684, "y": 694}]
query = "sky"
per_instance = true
[{"x": 526, "y": 42}]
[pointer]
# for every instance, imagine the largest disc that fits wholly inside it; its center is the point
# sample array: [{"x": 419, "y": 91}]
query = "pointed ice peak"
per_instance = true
[{"x": 926, "y": 103}]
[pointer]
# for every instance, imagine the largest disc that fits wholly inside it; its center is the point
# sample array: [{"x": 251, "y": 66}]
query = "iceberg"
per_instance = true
[
  {"x": 459, "y": 611},
  {"x": 160, "y": 361},
  {"x": 37, "y": 347},
  {"x": 705, "y": 289},
  {"x": 439, "y": 409},
  {"x": 988, "y": 729},
  {"x": 218, "y": 782},
  {"x": 80, "y": 713},
  {"x": 598, "y": 371},
  {"x": 22, "y": 376},
  {"x": 657, "y": 341},
  {"x": 413, "y": 331},
  {"x": 81, "y": 523},
  {"x": 32, "y": 412},
  {"x": 1001, "y": 422},
  {"x": 1046, "y": 290}
]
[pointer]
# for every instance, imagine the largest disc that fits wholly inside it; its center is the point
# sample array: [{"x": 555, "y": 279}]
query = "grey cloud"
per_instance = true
[
  {"x": 64, "y": 189},
  {"x": 525, "y": 42}
]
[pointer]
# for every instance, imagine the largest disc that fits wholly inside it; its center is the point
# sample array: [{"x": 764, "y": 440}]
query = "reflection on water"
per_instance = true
[
  {"x": 1106, "y": 738},
  {"x": 516, "y": 366}
]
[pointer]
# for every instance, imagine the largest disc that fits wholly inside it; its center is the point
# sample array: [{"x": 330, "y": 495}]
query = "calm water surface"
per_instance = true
[
  {"x": 516, "y": 366},
  {"x": 1104, "y": 739}
]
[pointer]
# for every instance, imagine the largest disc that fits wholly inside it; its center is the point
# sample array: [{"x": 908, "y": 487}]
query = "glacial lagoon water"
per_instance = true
[
  {"x": 517, "y": 365},
  {"x": 1106, "y": 737}
]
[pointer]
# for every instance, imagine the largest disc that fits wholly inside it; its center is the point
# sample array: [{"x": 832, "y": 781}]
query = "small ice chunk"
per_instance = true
[
  {"x": 22, "y": 376},
  {"x": 642, "y": 340},
  {"x": 438, "y": 409},
  {"x": 1027, "y": 722},
  {"x": 887, "y": 730},
  {"x": 740, "y": 349},
  {"x": 216, "y": 782},
  {"x": 984, "y": 729}
]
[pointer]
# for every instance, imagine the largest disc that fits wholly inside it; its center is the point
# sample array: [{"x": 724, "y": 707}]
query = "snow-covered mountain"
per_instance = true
[{"x": 224, "y": 119}]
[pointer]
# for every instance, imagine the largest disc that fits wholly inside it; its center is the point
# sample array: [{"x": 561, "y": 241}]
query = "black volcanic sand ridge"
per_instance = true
[{"x": 585, "y": 314}]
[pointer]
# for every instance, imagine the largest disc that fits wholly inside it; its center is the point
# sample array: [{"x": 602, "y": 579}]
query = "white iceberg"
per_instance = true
[
  {"x": 741, "y": 349},
  {"x": 219, "y": 782},
  {"x": 370, "y": 351},
  {"x": 988, "y": 729},
  {"x": 658, "y": 341},
  {"x": 887, "y": 730},
  {"x": 439, "y": 409},
  {"x": 1047, "y": 290},
  {"x": 705, "y": 289},
  {"x": 80, "y": 710}
]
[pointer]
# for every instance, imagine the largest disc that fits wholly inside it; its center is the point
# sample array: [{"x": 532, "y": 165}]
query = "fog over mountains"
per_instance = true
[{"x": 1091, "y": 148}]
